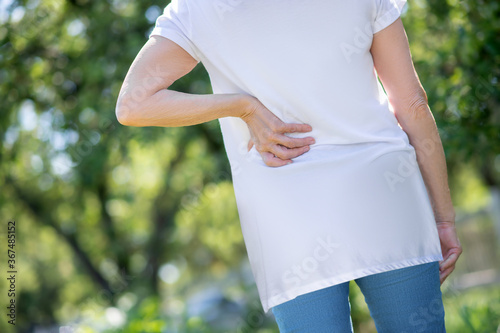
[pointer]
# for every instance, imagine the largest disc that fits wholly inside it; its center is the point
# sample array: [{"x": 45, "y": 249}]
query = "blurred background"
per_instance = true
[{"x": 122, "y": 229}]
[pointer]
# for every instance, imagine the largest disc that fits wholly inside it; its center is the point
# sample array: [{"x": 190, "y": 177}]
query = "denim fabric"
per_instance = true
[{"x": 400, "y": 301}]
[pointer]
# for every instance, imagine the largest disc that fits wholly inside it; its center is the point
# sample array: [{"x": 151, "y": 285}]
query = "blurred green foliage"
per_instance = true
[{"x": 124, "y": 229}]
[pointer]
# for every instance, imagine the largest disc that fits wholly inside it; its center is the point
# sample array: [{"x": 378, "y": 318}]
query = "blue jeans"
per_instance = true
[{"x": 403, "y": 300}]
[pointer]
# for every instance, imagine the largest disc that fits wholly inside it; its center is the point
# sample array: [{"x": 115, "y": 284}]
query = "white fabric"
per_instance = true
[{"x": 356, "y": 203}]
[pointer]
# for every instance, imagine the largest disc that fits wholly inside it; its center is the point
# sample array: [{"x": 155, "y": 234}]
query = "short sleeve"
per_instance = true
[
  {"x": 387, "y": 11},
  {"x": 175, "y": 24}
]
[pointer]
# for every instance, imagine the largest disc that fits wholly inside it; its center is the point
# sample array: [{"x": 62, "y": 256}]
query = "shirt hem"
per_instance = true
[{"x": 325, "y": 283}]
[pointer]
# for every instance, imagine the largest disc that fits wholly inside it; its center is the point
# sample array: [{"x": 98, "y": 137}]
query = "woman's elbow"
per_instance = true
[
  {"x": 413, "y": 107},
  {"x": 124, "y": 112},
  {"x": 121, "y": 115}
]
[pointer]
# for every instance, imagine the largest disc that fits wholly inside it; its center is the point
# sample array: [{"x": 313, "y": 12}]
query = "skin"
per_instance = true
[
  {"x": 394, "y": 66},
  {"x": 145, "y": 100}
]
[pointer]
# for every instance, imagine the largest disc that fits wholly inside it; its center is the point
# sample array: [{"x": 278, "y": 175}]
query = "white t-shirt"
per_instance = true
[{"x": 356, "y": 203}]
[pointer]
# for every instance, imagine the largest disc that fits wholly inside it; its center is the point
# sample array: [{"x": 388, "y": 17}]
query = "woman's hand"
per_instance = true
[
  {"x": 267, "y": 133},
  {"x": 450, "y": 246}
]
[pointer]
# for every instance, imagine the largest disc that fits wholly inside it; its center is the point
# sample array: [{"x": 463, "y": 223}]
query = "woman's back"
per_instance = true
[
  {"x": 306, "y": 61},
  {"x": 356, "y": 203}
]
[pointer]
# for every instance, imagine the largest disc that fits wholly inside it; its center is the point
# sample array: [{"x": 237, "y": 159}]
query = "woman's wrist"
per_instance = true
[
  {"x": 247, "y": 107},
  {"x": 445, "y": 217}
]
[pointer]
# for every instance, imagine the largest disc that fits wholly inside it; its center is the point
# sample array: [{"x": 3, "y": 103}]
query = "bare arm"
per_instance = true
[
  {"x": 392, "y": 59},
  {"x": 394, "y": 66},
  {"x": 145, "y": 100}
]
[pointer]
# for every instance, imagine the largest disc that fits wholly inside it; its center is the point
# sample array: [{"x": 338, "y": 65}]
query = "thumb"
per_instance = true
[{"x": 250, "y": 144}]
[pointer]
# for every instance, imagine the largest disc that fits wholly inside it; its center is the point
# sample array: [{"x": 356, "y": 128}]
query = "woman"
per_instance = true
[{"x": 335, "y": 179}]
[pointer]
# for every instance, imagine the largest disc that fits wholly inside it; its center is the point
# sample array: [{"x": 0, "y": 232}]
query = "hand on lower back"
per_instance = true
[{"x": 268, "y": 135}]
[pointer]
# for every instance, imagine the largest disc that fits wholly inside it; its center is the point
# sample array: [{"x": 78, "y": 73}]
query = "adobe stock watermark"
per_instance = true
[
  {"x": 254, "y": 319},
  {"x": 292, "y": 277},
  {"x": 408, "y": 165},
  {"x": 485, "y": 87},
  {"x": 361, "y": 41},
  {"x": 155, "y": 78},
  {"x": 297, "y": 273},
  {"x": 482, "y": 89},
  {"x": 222, "y": 7},
  {"x": 363, "y": 37},
  {"x": 424, "y": 316}
]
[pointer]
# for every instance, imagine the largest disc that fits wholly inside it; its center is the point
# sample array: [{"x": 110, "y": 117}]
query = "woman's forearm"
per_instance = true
[
  {"x": 169, "y": 108},
  {"x": 145, "y": 99},
  {"x": 424, "y": 137}
]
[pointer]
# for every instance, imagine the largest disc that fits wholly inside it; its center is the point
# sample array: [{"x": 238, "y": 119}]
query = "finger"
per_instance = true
[
  {"x": 449, "y": 261},
  {"x": 294, "y": 128},
  {"x": 250, "y": 144},
  {"x": 290, "y": 142},
  {"x": 273, "y": 161},
  {"x": 444, "y": 275},
  {"x": 285, "y": 153},
  {"x": 446, "y": 271}
]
